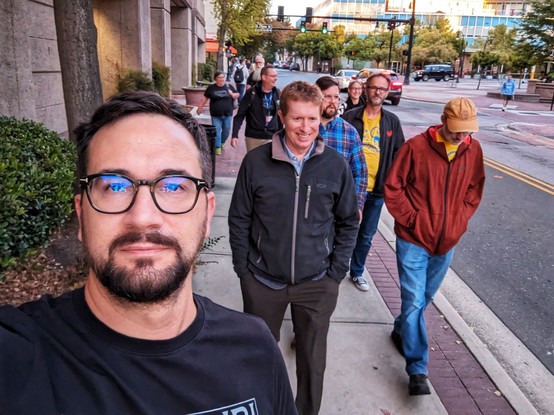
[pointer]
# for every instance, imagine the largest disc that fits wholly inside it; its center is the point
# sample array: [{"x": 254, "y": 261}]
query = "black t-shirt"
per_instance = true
[
  {"x": 56, "y": 357},
  {"x": 221, "y": 103}
]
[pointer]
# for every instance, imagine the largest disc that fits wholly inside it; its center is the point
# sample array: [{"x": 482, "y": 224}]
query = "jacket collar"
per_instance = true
[
  {"x": 279, "y": 153},
  {"x": 431, "y": 136}
]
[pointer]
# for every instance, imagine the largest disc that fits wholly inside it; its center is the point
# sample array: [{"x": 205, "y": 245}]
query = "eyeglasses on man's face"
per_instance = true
[
  {"x": 374, "y": 88},
  {"x": 115, "y": 193}
]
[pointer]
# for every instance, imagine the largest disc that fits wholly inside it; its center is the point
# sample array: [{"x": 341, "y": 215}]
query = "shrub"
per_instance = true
[
  {"x": 133, "y": 80},
  {"x": 160, "y": 77},
  {"x": 36, "y": 176}
]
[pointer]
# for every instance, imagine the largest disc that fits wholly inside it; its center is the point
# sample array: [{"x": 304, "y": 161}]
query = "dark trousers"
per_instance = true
[{"x": 312, "y": 304}]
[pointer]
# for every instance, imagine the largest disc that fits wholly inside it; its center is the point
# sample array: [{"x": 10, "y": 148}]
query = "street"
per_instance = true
[{"x": 506, "y": 256}]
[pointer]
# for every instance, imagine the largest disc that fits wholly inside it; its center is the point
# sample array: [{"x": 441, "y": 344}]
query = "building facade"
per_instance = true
[{"x": 131, "y": 35}]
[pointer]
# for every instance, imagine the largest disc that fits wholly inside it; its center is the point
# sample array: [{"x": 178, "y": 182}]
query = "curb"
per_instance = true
[{"x": 512, "y": 392}]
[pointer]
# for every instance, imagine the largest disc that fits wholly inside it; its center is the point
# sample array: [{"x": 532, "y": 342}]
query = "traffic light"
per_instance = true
[
  {"x": 324, "y": 28},
  {"x": 302, "y": 26},
  {"x": 280, "y": 13},
  {"x": 309, "y": 13}
]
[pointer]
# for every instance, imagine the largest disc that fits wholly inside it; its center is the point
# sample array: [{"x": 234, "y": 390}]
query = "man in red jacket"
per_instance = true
[{"x": 433, "y": 188}]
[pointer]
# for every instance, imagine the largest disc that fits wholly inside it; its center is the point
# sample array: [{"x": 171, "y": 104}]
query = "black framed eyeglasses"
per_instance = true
[
  {"x": 113, "y": 193},
  {"x": 373, "y": 88}
]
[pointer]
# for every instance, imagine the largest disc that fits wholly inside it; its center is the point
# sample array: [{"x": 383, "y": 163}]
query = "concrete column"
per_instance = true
[
  {"x": 124, "y": 39},
  {"x": 181, "y": 49},
  {"x": 16, "y": 81},
  {"x": 160, "y": 19}
]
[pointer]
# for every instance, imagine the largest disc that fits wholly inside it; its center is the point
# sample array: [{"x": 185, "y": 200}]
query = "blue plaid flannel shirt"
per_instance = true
[{"x": 344, "y": 138}]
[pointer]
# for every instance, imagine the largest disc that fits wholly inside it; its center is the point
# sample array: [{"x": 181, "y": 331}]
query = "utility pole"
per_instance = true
[
  {"x": 391, "y": 26},
  {"x": 410, "y": 44}
]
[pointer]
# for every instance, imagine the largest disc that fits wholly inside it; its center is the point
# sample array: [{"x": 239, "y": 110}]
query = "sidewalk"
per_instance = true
[{"x": 365, "y": 374}]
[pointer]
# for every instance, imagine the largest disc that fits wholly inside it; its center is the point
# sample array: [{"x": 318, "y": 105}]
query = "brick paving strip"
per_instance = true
[
  {"x": 461, "y": 383},
  {"x": 459, "y": 380}
]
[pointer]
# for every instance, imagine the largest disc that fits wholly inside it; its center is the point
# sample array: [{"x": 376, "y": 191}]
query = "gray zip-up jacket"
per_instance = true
[{"x": 289, "y": 228}]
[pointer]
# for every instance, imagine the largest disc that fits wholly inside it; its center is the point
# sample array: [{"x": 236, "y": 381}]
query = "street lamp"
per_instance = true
[{"x": 459, "y": 35}]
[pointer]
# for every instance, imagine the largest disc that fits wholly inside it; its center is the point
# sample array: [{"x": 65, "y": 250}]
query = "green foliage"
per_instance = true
[
  {"x": 133, "y": 80},
  {"x": 537, "y": 31},
  {"x": 160, "y": 77},
  {"x": 206, "y": 70},
  {"x": 434, "y": 45},
  {"x": 237, "y": 19},
  {"x": 36, "y": 176}
]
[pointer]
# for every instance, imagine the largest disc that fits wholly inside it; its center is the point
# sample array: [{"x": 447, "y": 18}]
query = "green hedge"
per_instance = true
[{"x": 36, "y": 177}]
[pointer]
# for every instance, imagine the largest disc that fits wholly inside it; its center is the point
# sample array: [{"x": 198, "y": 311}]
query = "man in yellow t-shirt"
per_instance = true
[{"x": 382, "y": 137}]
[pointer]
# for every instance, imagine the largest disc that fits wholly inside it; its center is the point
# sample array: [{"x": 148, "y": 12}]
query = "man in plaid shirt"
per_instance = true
[{"x": 341, "y": 136}]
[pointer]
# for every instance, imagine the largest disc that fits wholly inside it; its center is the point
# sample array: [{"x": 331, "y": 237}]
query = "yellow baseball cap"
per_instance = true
[{"x": 461, "y": 115}]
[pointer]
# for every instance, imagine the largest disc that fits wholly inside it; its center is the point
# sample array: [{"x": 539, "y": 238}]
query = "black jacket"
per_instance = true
[
  {"x": 289, "y": 228},
  {"x": 392, "y": 138},
  {"x": 252, "y": 107}
]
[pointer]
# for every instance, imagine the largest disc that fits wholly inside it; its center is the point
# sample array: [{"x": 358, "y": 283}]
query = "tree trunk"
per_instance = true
[{"x": 78, "y": 60}]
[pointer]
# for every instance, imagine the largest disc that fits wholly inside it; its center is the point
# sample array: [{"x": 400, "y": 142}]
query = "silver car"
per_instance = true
[{"x": 344, "y": 76}]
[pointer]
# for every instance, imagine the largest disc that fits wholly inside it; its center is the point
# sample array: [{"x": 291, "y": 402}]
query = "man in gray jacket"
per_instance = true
[{"x": 293, "y": 223}]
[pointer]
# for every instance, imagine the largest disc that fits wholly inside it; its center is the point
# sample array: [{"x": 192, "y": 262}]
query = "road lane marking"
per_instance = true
[{"x": 539, "y": 184}]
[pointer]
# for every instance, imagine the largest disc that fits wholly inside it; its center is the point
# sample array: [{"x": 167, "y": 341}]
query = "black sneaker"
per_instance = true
[
  {"x": 397, "y": 340},
  {"x": 418, "y": 385}
]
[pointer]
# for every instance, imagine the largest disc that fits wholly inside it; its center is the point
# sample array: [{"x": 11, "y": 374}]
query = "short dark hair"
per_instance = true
[
  {"x": 140, "y": 102},
  {"x": 217, "y": 73},
  {"x": 266, "y": 68},
  {"x": 326, "y": 82},
  {"x": 299, "y": 91}
]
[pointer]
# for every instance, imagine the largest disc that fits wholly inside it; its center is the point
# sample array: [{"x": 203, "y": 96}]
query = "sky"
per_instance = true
[{"x": 297, "y": 7}]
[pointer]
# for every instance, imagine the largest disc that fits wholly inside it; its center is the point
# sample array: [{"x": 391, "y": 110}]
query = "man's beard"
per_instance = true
[
  {"x": 143, "y": 283},
  {"x": 329, "y": 112}
]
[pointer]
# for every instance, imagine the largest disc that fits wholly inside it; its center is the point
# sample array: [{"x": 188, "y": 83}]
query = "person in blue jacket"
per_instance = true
[{"x": 507, "y": 90}]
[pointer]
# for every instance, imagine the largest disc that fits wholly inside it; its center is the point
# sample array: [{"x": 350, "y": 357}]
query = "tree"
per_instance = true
[
  {"x": 434, "y": 45},
  {"x": 536, "y": 40},
  {"x": 502, "y": 42},
  {"x": 77, "y": 39},
  {"x": 237, "y": 20}
]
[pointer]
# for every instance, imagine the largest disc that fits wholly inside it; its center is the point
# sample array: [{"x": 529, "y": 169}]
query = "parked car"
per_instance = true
[
  {"x": 285, "y": 65},
  {"x": 344, "y": 76},
  {"x": 294, "y": 66},
  {"x": 435, "y": 71},
  {"x": 395, "y": 92}
]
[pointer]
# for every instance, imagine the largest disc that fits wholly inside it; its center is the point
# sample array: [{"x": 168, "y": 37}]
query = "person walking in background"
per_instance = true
[
  {"x": 240, "y": 75},
  {"x": 356, "y": 98},
  {"x": 341, "y": 136},
  {"x": 292, "y": 224},
  {"x": 433, "y": 188},
  {"x": 382, "y": 137},
  {"x": 259, "y": 106},
  {"x": 221, "y": 96},
  {"x": 255, "y": 72},
  {"x": 136, "y": 339},
  {"x": 507, "y": 90}
]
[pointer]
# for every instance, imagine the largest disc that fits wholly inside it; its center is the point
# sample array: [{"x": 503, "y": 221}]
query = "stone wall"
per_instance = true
[
  {"x": 30, "y": 74},
  {"x": 131, "y": 34}
]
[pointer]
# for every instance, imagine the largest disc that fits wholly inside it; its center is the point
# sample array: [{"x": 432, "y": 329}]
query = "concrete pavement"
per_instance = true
[{"x": 365, "y": 374}]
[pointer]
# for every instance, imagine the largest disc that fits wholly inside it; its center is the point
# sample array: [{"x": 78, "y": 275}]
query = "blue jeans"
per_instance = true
[
  {"x": 222, "y": 129},
  {"x": 421, "y": 275},
  {"x": 368, "y": 227},
  {"x": 241, "y": 89}
]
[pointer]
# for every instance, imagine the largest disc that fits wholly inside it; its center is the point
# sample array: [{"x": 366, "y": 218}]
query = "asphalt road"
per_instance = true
[{"x": 506, "y": 257}]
